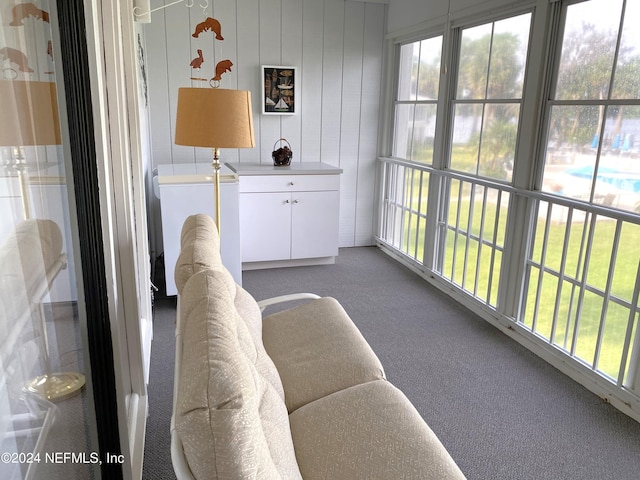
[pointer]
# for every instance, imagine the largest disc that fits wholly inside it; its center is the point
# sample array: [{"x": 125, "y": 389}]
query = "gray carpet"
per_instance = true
[{"x": 502, "y": 412}]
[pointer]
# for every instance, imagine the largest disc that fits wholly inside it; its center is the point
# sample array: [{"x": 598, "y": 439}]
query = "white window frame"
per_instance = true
[{"x": 524, "y": 191}]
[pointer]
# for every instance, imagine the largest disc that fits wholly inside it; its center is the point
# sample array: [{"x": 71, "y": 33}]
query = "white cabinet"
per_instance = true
[
  {"x": 288, "y": 215},
  {"x": 186, "y": 190}
]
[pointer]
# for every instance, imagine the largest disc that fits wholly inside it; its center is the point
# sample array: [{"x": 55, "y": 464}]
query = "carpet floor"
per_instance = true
[{"x": 502, "y": 412}]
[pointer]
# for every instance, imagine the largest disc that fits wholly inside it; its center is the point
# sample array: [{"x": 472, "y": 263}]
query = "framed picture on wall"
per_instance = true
[{"x": 278, "y": 90}]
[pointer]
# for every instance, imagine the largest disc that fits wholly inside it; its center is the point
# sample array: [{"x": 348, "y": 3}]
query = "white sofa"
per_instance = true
[{"x": 298, "y": 394}]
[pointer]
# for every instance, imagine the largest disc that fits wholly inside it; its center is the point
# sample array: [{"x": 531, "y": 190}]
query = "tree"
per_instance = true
[
  {"x": 491, "y": 68},
  {"x": 585, "y": 73}
]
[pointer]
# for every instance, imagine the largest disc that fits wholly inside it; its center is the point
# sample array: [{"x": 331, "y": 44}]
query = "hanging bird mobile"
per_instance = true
[
  {"x": 223, "y": 66},
  {"x": 198, "y": 61},
  {"x": 209, "y": 24},
  {"x": 16, "y": 57},
  {"x": 22, "y": 11}
]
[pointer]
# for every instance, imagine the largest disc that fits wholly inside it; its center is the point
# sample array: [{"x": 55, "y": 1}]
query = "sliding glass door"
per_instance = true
[{"x": 57, "y": 386}]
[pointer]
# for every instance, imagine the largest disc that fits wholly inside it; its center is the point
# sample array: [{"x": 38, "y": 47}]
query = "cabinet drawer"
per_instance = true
[{"x": 288, "y": 183}]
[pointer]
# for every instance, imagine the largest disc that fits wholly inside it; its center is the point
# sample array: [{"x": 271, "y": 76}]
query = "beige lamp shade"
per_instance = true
[
  {"x": 214, "y": 117},
  {"x": 29, "y": 114}
]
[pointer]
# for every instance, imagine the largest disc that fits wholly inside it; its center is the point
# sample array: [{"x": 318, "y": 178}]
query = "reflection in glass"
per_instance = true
[{"x": 43, "y": 404}]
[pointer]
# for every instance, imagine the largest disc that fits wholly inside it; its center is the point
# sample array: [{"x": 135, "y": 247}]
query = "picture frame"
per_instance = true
[{"x": 278, "y": 90}]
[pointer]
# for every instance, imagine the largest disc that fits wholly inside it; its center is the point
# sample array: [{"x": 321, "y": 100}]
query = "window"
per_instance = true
[
  {"x": 486, "y": 106},
  {"x": 593, "y": 140},
  {"x": 417, "y": 97},
  {"x": 553, "y": 256},
  {"x": 486, "y": 111},
  {"x": 583, "y": 267}
]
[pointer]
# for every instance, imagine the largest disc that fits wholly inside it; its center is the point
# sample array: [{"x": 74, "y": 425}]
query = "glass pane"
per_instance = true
[
  {"x": 540, "y": 231},
  {"x": 423, "y": 134},
  {"x": 615, "y": 330},
  {"x": 419, "y": 206},
  {"x": 429, "y": 73},
  {"x": 618, "y": 176},
  {"x": 498, "y": 145},
  {"x": 530, "y": 302},
  {"x": 508, "y": 57},
  {"x": 629, "y": 378},
  {"x": 572, "y": 150},
  {"x": 548, "y": 290},
  {"x": 465, "y": 144},
  {"x": 424, "y": 193},
  {"x": 588, "y": 327},
  {"x": 601, "y": 252},
  {"x": 565, "y": 315},
  {"x": 403, "y": 131},
  {"x": 626, "y": 82},
  {"x": 408, "y": 71},
  {"x": 474, "y": 62},
  {"x": 45, "y": 408},
  {"x": 588, "y": 50},
  {"x": 626, "y": 268}
]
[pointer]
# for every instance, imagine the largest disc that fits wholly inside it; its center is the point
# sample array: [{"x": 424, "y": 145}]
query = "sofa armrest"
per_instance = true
[
  {"x": 180, "y": 465},
  {"x": 285, "y": 298}
]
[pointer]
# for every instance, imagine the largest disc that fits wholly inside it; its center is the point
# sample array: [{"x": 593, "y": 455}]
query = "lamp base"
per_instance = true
[{"x": 56, "y": 386}]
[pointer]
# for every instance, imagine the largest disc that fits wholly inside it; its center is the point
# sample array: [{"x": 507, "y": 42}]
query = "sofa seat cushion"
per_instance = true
[
  {"x": 368, "y": 431},
  {"x": 232, "y": 422},
  {"x": 318, "y": 350}
]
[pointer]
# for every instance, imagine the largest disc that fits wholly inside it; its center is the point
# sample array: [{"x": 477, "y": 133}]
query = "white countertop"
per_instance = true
[
  {"x": 299, "y": 168},
  {"x": 192, "y": 173}
]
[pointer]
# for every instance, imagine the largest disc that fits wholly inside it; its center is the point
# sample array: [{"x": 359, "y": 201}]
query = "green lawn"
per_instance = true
[
  {"x": 479, "y": 279},
  {"x": 594, "y": 307}
]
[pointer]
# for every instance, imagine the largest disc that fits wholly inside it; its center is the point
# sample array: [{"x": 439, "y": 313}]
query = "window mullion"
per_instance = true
[
  {"x": 437, "y": 205},
  {"x": 527, "y": 164}
]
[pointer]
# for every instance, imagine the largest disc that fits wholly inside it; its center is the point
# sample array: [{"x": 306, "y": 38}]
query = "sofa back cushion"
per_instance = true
[
  {"x": 28, "y": 256},
  {"x": 231, "y": 420},
  {"x": 200, "y": 250}
]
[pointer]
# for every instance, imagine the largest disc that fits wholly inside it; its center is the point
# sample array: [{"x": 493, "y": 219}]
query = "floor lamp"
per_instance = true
[
  {"x": 215, "y": 118},
  {"x": 29, "y": 117}
]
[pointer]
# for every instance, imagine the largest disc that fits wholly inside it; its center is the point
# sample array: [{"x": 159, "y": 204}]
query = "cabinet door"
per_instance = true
[
  {"x": 314, "y": 224},
  {"x": 265, "y": 226}
]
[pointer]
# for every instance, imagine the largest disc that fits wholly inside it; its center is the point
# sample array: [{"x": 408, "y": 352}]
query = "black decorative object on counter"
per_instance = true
[{"x": 282, "y": 156}]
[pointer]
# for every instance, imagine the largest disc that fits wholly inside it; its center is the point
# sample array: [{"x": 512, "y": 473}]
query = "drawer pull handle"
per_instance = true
[
  {"x": 286, "y": 201},
  {"x": 290, "y": 184},
  {"x": 295, "y": 201}
]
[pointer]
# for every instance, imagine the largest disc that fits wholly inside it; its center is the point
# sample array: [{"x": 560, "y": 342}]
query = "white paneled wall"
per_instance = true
[{"x": 337, "y": 47}]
